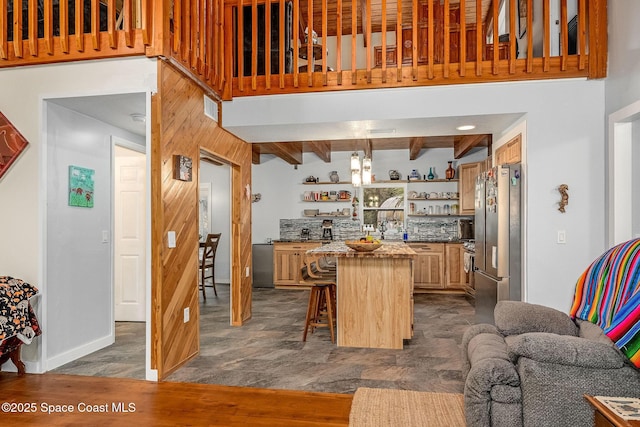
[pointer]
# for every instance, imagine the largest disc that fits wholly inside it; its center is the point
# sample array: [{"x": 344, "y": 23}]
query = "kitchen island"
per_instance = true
[{"x": 374, "y": 294}]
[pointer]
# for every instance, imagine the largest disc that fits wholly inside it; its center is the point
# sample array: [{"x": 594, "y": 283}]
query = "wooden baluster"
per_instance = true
[
  {"x": 463, "y": 39},
  {"x": 354, "y": 32},
  {"x": 430, "y": 37},
  {"x": 267, "y": 43},
  {"x": 145, "y": 14},
  {"x": 64, "y": 26},
  {"x": 33, "y": 27},
  {"x": 582, "y": 35},
  {"x": 310, "y": 59},
  {"x": 384, "y": 41},
  {"x": 226, "y": 82},
  {"x": 281, "y": 53},
  {"x": 111, "y": 23},
  {"x": 254, "y": 44},
  {"x": 367, "y": 13},
  {"x": 209, "y": 39},
  {"x": 296, "y": 41},
  {"x": 221, "y": 53},
  {"x": 496, "y": 38},
  {"x": 447, "y": 40},
  {"x": 79, "y": 25},
  {"x": 48, "y": 25},
  {"x": 479, "y": 38},
  {"x": 187, "y": 39},
  {"x": 546, "y": 35},
  {"x": 597, "y": 39},
  {"x": 4, "y": 43},
  {"x": 17, "y": 28},
  {"x": 529, "y": 36},
  {"x": 564, "y": 35},
  {"x": 399, "y": 41},
  {"x": 177, "y": 26},
  {"x": 513, "y": 36},
  {"x": 127, "y": 22},
  {"x": 324, "y": 43},
  {"x": 240, "y": 47},
  {"x": 202, "y": 36},
  {"x": 414, "y": 39},
  {"x": 339, "y": 41}
]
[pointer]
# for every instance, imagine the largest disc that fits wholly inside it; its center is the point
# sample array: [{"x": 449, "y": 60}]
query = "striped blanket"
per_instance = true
[{"x": 608, "y": 294}]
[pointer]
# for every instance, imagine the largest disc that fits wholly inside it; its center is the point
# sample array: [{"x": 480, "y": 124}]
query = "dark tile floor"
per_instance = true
[{"x": 268, "y": 351}]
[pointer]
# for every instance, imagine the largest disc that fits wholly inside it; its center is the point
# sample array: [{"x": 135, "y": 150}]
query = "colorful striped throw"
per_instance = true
[{"x": 608, "y": 294}]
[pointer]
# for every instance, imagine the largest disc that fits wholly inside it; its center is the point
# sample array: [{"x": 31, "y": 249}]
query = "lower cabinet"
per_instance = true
[
  {"x": 439, "y": 266},
  {"x": 428, "y": 267},
  {"x": 288, "y": 260}
]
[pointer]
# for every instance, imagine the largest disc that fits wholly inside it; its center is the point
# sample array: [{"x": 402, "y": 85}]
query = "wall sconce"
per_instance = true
[
  {"x": 366, "y": 170},
  {"x": 356, "y": 179}
]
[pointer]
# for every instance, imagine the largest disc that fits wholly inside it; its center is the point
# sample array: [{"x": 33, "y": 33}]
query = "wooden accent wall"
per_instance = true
[{"x": 180, "y": 127}]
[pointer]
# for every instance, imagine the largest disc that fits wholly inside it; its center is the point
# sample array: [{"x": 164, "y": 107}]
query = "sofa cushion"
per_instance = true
[
  {"x": 486, "y": 346},
  {"x": 517, "y": 317},
  {"x": 592, "y": 332},
  {"x": 564, "y": 350}
]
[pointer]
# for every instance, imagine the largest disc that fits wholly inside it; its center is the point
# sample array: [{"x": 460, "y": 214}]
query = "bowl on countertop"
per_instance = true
[
  {"x": 362, "y": 246},
  {"x": 311, "y": 212}
]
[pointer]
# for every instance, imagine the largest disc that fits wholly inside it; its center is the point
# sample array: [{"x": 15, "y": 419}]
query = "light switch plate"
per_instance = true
[
  {"x": 562, "y": 237},
  {"x": 186, "y": 314},
  {"x": 171, "y": 239}
]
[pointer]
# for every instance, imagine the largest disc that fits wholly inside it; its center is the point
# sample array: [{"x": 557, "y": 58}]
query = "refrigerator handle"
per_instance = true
[{"x": 494, "y": 257}]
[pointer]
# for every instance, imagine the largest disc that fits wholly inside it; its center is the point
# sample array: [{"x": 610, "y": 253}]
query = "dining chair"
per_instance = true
[{"x": 207, "y": 262}]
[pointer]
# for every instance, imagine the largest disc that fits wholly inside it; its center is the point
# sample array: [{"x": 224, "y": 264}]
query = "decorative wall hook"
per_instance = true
[
  {"x": 564, "y": 193},
  {"x": 256, "y": 197}
]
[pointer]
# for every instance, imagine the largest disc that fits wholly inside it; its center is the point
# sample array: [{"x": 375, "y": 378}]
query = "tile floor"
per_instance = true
[{"x": 268, "y": 351}]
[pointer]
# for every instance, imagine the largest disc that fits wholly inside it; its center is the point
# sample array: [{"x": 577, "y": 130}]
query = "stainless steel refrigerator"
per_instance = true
[{"x": 497, "y": 239}]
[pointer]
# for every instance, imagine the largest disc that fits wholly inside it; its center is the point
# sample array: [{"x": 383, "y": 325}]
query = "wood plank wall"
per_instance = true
[{"x": 180, "y": 127}]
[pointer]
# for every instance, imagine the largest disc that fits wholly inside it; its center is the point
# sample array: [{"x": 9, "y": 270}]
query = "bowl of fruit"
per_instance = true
[{"x": 364, "y": 244}]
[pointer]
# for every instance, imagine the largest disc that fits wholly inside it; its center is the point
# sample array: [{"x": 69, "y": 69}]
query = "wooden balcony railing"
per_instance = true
[
  {"x": 257, "y": 47},
  {"x": 46, "y": 31}
]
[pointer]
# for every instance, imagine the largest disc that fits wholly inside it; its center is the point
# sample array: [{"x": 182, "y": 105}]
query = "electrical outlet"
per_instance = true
[
  {"x": 562, "y": 237},
  {"x": 171, "y": 239},
  {"x": 246, "y": 273},
  {"x": 105, "y": 236},
  {"x": 186, "y": 314}
]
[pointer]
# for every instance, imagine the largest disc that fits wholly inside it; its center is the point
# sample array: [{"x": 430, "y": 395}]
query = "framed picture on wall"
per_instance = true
[
  {"x": 81, "y": 185},
  {"x": 12, "y": 143},
  {"x": 182, "y": 168}
]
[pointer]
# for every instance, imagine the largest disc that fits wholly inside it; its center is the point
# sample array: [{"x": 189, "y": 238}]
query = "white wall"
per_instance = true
[
  {"x": 635, "y": 180},
  {"x": 79, "y": 264},
  {"x": 281, "y": 185},
  {"x": 220, "y": 179},
  {"x": 23, "y": 90},
  {"x": 564, "y": 144}
]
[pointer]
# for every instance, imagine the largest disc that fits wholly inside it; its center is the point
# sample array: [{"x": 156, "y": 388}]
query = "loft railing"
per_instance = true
[
  {"x": 45, "y": 31},
  {"x": 257, "y": 47}
]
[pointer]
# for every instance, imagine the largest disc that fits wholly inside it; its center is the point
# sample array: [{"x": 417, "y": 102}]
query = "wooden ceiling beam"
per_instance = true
[
  {"x": 466, "y": 143},
  {"x": 321, "y": 149},
  {"x": 415, "y": 146},
  {"x": 290, "y": 152},
  {"x": 255, "y": 154}
]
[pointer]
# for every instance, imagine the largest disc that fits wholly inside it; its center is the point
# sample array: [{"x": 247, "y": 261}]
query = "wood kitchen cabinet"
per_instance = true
[
  {"x": 428, "y": 267},
  {"x": 288, "y": 260},
  {"x": 510, "y": 153},
  {"x": 456, "y": 277},
  {"x": 467, "y": 174}
]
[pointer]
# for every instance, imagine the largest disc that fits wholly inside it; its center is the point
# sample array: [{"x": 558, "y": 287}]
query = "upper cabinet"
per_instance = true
[
  {"x": 468, "y": 173},
  {"x": 510, "y": 153}
]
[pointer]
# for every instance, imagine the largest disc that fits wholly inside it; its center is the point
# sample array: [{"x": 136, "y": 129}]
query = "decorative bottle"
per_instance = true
[
  {"x": 431, "y": 174},
  {"x": 450, "y": 173}
]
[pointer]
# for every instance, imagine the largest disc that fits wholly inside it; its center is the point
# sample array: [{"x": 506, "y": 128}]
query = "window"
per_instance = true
[{"x": 383, "y": 203}]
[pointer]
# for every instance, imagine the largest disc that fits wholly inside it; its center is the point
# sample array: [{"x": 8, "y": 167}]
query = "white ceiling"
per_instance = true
[{"x": 117, "y": 110}]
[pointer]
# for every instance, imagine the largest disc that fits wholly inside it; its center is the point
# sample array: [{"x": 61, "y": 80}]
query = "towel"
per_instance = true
[
  {"x": 467, "y": 262},
  {"x": 608, "y": 295}
]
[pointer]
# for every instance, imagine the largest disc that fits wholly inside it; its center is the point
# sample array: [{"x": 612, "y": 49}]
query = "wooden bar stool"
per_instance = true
[{"x": 321, "y": 309}]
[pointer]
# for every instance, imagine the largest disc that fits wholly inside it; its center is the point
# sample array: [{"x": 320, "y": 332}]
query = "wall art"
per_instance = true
[
  {"x": 12, "y": 143},
  {"x": 81, "y": 187},
  {"x": 182, "y": 168}
]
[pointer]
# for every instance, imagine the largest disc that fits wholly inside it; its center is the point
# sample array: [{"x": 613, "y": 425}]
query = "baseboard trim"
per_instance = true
[{"x": 78, "y": 352}]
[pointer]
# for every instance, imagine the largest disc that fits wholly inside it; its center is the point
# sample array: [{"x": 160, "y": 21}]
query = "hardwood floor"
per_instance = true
[{"x": 119, "y": 401}]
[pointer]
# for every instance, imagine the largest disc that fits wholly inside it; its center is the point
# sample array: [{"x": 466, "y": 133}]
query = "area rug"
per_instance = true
[{"x": 388, "y": 407}]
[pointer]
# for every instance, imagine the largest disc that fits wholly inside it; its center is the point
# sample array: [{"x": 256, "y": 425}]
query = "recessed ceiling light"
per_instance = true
[
  {"x": 466, "y": 127},
  {"x": 379, "y": 131}
]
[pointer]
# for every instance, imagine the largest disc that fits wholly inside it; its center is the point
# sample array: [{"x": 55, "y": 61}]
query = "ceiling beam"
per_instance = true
[
  {"x": 415, "y": 145},
  {"x": 321, "y": 149},
  {"x": 255, "y": 154},
  {"x": 466, "y": 143},
  {"x": 290, "y": 152}
]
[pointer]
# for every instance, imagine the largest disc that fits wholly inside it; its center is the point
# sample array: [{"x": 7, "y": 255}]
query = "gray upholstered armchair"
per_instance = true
[{"x": 534, "y": 367}]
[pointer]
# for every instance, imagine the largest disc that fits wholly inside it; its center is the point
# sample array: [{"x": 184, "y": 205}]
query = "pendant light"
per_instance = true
[
  {"x": 366, "y": 170},
  {"x": 356, "y": 179}
]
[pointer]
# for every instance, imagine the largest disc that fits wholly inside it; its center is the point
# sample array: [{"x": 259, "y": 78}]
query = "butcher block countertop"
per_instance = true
[{"x": 387, "y": 250}]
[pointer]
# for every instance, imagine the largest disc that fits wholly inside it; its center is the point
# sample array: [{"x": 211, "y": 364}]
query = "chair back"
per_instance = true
[{"x": 210, "y": 246}]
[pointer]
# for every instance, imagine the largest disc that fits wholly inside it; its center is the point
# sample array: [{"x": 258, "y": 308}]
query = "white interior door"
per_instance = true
[{"x": 129, "y": 235}]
